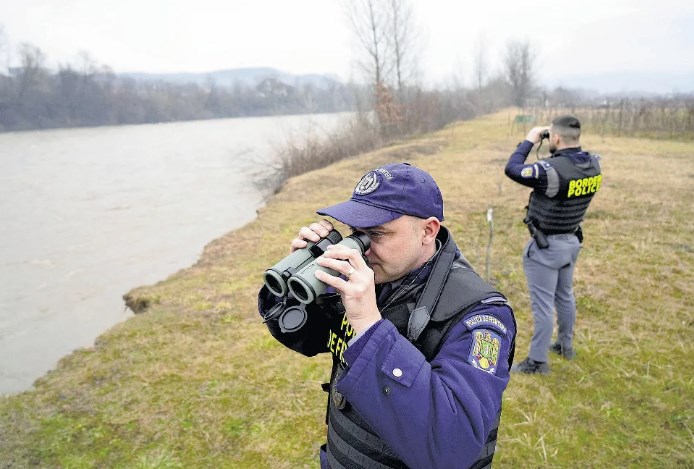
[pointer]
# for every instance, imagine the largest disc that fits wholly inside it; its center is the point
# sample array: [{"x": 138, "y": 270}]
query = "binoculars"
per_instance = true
[
  {"x": 544, "y": 134},
  {"x": 296, "y": 272}
]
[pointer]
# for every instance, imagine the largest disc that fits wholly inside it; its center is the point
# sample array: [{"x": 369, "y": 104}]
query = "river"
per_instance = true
[{"x": 88, "y": 214}]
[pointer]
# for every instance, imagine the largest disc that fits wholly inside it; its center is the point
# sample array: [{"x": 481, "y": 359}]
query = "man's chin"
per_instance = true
[
  {"x": 382, "y": 278},
  {"x": 378, "y": 274}
]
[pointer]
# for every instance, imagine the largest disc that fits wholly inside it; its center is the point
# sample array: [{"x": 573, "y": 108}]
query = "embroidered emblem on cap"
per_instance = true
[
  {"x": 484, "y": 353},
  {"x": 367, "y": 184}
]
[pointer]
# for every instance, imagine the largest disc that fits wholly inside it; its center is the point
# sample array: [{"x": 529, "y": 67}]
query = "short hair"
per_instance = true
[{"x": 568, "y": 127}]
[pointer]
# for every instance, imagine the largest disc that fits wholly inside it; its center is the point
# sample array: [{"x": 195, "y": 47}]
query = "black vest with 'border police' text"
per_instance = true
[{"x": 570, "y": 188}]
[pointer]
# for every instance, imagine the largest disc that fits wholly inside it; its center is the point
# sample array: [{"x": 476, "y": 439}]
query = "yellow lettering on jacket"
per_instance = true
[
  {"x": 337, "y": 341},
  {"x": 585, "y": 186}
]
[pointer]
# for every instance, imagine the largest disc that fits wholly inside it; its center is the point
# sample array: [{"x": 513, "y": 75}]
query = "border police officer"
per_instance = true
[
  {"x": 563, "y": 187},
  {"x": 421, "y": 345}
]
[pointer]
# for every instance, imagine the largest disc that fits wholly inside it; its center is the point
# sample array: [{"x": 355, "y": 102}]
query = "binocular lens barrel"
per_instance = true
[
  {"x": 275, "y": 282},
  {"x": 275, "y": 278},
  {"x": 304, "y": 284}
]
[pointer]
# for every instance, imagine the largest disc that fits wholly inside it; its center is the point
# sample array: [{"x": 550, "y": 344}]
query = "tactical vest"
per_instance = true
[
  {"x": 570, "y": 188},
  {"x": 425, "y": 322}
]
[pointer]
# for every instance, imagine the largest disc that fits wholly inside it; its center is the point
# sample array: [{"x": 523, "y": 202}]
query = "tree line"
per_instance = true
[
  {"x": 32, "y": 97},
  {"x": 89, "y": 94},
  {"x": 390, "y": 98}
]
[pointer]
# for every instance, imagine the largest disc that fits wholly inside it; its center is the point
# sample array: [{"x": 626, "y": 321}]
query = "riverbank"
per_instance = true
[{"x": 196, "y": 380}]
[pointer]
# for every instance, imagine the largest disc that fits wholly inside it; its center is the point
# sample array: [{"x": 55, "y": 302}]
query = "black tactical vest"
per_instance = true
[
  {"x": 570, "y": 188},
  {"x": 424, "y": 318}
]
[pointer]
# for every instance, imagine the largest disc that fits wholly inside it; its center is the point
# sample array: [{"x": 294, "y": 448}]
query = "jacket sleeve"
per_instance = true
[
  {"x": 308, "y": 340},
  {"x": 437, "y": 414},
  {"x": 530, "y": 175}
]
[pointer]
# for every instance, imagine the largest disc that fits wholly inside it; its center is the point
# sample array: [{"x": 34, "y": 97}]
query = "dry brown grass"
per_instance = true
[{"x": 197, "y": 381}]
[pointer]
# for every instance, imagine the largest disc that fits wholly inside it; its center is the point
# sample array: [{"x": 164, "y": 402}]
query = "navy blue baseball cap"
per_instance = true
[{"x": 387, "y": 193}]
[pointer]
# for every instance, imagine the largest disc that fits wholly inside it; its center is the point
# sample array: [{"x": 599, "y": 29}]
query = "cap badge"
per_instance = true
[{"x": 367, "y": 184}]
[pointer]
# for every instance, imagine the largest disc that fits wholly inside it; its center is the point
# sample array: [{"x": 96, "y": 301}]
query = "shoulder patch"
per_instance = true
[
  {"x": 480, "y": 320},
  {"x": 484, "y": 352},
  {"x": 527, "y": 172}
]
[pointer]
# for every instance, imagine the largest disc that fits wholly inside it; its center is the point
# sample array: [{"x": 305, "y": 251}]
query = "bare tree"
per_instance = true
[
  {"x": 369, "y": 24},
  {"x": 402, "y": 39},
  {"x": 386, "y": 34},
  {"x": 480, "y": 66},
  {"x": 519, "y": 67},
  {"x": 86, "y": 64},
  {"x": 4, "y": 47},
  {"x": 32, "y": 69}
]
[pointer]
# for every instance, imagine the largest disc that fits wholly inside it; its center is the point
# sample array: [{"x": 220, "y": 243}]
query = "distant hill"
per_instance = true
[
  {"x": 629, "y": 83},
  {"x": 247, "y": 77}
]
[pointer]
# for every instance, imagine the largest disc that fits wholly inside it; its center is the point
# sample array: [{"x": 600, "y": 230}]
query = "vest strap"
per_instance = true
[
  {"x": 339, "y": 449},
  {"x": 420, "y": 316},
  {"x": 484, "y": 459},
  {"x": 345, "y": 436}
]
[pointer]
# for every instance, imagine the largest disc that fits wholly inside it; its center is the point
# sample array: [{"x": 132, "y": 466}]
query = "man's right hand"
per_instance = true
[{"x": 314, "y": 233}]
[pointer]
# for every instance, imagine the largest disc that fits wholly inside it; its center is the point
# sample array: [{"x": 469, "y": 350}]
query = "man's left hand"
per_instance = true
[
  {"x": 357, "y": 289},
  {"x": 534, "y": 134}
]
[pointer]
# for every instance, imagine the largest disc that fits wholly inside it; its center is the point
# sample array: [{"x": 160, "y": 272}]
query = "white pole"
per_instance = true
[{"x": 490, "y": 220}]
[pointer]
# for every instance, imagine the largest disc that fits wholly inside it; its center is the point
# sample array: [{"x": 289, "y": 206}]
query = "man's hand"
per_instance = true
[
  {"x": 534, "y": 134},
  {"x": 357, "y": 289},
  {"x": 314, "y": 233}
]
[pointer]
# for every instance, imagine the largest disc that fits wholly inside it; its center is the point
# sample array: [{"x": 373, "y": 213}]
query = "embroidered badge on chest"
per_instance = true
[{"x": 484, "y": 353}]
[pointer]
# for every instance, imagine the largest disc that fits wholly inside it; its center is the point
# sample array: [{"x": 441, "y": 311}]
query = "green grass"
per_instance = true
[{"x": 196, "y": 380}]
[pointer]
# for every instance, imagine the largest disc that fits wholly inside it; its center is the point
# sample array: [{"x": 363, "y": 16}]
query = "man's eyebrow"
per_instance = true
[{"x": 371, "y": 228}]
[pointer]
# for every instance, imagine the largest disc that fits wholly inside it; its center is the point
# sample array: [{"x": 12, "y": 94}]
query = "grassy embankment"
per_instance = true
[{"x": 196, "y": 381}]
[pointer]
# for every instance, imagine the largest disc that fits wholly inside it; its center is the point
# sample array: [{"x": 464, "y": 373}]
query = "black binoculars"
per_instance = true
[
  {"x": 544, "y": 134},
  {"x": 296, "y": 272}
]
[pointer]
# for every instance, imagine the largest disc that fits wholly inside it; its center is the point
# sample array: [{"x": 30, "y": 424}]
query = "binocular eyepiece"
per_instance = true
[
  {"x": 544, "y": 134},
  {"x": 296, "y": 272}
]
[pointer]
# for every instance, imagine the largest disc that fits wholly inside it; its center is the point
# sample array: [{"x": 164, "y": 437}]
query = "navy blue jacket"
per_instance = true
[
  {"x": 534, "y": 175},
  {"x": 432, "y": 414}
]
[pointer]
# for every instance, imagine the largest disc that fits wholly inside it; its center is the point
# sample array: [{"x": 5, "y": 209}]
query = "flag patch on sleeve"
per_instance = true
[
  {"x": 484, "y": 353},
  {"x": 527, "y": 172}
]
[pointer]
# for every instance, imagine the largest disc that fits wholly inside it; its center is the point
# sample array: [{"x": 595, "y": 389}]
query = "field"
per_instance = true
[{"x": 195, "y": 381}]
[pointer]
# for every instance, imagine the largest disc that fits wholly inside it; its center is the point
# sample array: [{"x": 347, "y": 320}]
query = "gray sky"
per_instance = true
[{"x": 625, "y": 44}]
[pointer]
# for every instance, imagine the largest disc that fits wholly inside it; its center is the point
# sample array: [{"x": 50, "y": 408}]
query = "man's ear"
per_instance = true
[{"x": 432, "y": 225}]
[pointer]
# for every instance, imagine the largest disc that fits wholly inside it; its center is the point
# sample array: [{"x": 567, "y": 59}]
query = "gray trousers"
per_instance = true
[{"x": 549, "y": 273}]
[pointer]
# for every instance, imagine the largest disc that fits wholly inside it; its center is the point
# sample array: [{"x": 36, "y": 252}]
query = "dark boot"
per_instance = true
[
  {"x": 566, "y": 352},
  {"x": 530, "y": 366}
]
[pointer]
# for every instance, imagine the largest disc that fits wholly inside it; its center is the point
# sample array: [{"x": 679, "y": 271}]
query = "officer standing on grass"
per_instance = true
[
  {"x": 563, "y": 186},
  {"x": 421, "y": 345}
]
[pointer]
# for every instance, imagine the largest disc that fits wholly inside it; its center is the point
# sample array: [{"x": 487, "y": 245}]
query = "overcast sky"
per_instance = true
[{"x": 628, "y": 44}]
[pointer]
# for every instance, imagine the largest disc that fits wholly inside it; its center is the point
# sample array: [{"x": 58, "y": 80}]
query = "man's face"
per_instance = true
[{"x": 396, "y": 248}]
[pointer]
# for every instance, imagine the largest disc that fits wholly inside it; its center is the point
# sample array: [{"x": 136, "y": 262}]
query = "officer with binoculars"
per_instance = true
[
  {"x": 421, "y": 345},
  {"x": 563, "y": 187}
]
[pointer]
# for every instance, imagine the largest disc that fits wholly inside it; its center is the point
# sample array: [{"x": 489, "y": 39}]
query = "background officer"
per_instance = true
[{"x": 563, "y": 186}]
